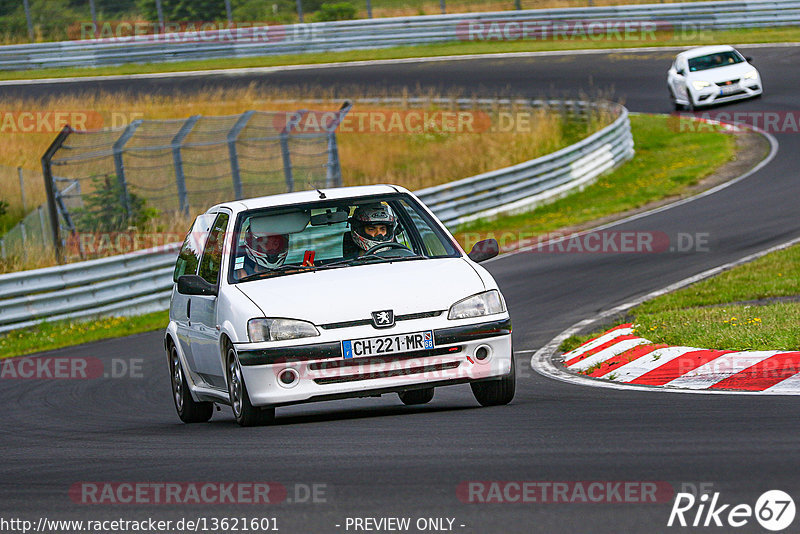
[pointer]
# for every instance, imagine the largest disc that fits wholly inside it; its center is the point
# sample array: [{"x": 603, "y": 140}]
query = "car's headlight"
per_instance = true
[
  {"x": 259, "y": 330},
  {"x": 751, "y": 75},
  {"x": 699, "y": 84},
  {"x": 486, "y": 303}
]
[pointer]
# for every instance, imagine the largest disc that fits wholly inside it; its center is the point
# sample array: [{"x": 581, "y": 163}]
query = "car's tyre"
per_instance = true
[
  {"x": 674, "y": 100},
  {"x": 245, "y": 413},
  {"x": 496, "y": 392},
  {"x": 416, "y": 396},
  {"x": 189, "y": 410}
]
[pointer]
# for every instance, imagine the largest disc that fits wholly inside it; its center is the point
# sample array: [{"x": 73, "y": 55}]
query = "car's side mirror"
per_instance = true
[
  {"x": 484, "y": 250},
  {"x": 191, "y": 284},
  {"x": 681, "y": 72},
  {"x": 748, "y": 59}
]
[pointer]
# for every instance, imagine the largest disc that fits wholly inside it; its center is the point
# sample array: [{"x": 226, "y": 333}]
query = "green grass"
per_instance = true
[
  {"x": 666, "y": 163},
  {"x": 742, "y": 36},
  {"x": 49, "y": 336},
  {"x": 751, "y": 307}
]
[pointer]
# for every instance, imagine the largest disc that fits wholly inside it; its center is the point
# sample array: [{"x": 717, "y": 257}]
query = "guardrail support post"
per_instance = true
[
  {"x": 119, "y": 146},
  {"x": 49, "y": 186},
  {"x": 232, "y": 136},
  {"x": 180, "y": 179}
]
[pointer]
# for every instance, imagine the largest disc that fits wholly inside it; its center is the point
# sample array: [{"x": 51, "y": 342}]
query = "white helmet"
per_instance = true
[
  {"x": 266, "y": 250},
  {"x": 371, "y": 215}
]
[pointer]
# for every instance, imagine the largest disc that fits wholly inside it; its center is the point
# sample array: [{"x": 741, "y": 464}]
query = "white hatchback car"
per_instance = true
[
  {"x": 711, "y": 75},
  {"x": 275, "y": 303}
]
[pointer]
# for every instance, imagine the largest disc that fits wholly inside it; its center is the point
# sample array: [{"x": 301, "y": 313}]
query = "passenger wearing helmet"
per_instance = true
[
  {"x": 263, "y": 252},
  {"x": 370, "y": 225}
]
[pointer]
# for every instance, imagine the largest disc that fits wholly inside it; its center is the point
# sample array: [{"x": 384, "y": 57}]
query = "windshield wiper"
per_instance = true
[
  {"x": 281, "y": 269},
  {"x": 371, "y": 259}
]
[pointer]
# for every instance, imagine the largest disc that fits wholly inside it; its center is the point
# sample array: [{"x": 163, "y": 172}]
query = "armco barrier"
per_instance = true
[
  {"x": 380, "y": 33},
  {"x": 141, "y": 282}
]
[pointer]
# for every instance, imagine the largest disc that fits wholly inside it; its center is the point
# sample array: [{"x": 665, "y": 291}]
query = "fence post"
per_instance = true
[
  {"x": 286, "y": 154},
  {"x": 333, "y": 176},
  {"x": 24, "y": 233},
  {"x": 49, "y": 186},
  {"x": 234, "y": 157},
  {"x": 42, "y": 225},
  {"x": 27, "y": 7},
  {"x": 22, "y": 188},
  {"x": 180, "y": 179},
  {"x": 119, "y": 146},
  {"x": 300, "y": 10},
  {"x": 369, "y": 9}
]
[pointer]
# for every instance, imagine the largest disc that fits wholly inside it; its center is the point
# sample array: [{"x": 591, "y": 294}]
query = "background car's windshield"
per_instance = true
[
  {"x": 287, "y": 239},
  {"x": 720, "y": 59}
]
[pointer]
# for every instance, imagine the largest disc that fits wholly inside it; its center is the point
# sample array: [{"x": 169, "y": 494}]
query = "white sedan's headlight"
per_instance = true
[
  {"x": 486, "y": 303},
  {"x": 259, "y": 330},
  {"x": 699, "y": 84},
  {"x": 751, "y": 75}
]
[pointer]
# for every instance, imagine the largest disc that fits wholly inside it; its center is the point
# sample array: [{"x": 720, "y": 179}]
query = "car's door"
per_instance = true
[
  {"x": 187, "y": 263},
  {"x": 203, "y": 319}
]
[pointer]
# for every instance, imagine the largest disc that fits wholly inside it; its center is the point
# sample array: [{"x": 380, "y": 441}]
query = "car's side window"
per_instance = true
[
  {"x": 192, "y": 248},
  {"x": 212, "y": 255},
  {"x": 433, "y": 244}
]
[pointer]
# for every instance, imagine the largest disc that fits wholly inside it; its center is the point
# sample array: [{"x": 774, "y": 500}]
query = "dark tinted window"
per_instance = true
[
  {"x": 189, "y": 256},
  {"x": 212, "y": 255},
  {"x": 712, "y": 61}
]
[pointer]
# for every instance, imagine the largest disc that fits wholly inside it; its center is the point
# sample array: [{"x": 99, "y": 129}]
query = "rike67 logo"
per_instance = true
[{"x": 774, "y": 510}]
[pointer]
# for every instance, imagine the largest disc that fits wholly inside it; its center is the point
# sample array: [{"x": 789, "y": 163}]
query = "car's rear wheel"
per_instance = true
[
  {"x": 496, "y": 392},
  {"x": 245, "y": 413},
  {"x": 189, "y": 410},
  {"x": 416, "y": 396}
]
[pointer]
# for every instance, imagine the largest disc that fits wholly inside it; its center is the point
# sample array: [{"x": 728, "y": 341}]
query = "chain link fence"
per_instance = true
[{"x": 155, "y": 173}]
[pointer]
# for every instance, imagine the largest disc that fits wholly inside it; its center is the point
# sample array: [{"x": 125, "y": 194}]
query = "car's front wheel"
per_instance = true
[
  {"x": 496, "y": 392},
  {"x": 416, "y": 396},
  {"x": 189, "y": 410},
  {"x": 245, "y": 413}
]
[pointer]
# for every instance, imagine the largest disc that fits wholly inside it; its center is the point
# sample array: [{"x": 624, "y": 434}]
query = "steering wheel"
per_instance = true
[{"x": 389, "y": 244}]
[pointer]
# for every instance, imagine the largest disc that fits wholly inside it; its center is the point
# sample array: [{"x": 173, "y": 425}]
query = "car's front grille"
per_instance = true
[
  {"x": 386, "y": 359},
  {"x": 389, "y": 373},
  {"x": 729, "y": 82},
  {"x": 364, "y": 322}
]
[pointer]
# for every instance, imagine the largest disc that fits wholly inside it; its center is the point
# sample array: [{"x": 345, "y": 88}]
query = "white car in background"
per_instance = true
[
  {"x": 711, "y": 75},
  {"x": 273, "y": 304}
]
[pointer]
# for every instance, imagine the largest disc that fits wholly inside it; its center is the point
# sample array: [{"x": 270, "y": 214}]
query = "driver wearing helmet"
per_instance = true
[
  {"x": 370, "y": 225},
  {"x": 263, "y": 252}
]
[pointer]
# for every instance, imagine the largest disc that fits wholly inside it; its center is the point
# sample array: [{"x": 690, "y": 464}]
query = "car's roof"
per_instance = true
[
  {"x": 704, "y": 51},
  {"x": 299, "y": 197}
]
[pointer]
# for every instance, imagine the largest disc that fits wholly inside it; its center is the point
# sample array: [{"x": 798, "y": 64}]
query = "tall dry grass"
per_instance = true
[{"x": 414, "y": 160}]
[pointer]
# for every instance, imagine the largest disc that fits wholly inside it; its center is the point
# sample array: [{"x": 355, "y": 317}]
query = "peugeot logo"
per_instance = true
[{"x": 383, "y": 318}]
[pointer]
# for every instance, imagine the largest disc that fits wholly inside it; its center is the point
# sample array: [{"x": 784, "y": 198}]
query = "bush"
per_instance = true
[
  {"x": 3, "y": 207},
  {"x": 340, "y": 11},
  {"x": 103, "y": 210}
]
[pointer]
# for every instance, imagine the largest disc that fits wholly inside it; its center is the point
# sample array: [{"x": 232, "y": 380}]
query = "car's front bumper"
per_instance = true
[
  {"x": 321, "y": 372},
  {"x": 712, "y": 95}
]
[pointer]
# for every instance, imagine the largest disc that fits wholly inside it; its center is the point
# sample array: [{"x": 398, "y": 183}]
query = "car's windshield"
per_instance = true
[
  {"x": 711, "y": 61},
  {"x": 334, "y": 234}
]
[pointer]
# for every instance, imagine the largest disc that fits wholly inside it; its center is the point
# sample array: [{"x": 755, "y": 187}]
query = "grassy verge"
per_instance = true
[
  {"x": 739, "y": 36},
  {"x": 666, "y": 164},
  {"x": 49, "y": 336},
  {"x": 755, "y": 306}
]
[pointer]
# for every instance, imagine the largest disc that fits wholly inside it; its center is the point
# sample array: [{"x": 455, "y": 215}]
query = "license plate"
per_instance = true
[
  {"x": 728, "y": 89},
  {"x": 376, "y": 346}
]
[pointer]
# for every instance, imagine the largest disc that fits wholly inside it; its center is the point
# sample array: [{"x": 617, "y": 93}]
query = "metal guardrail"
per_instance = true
[
  {"x": 381, "y": 33},
  {"x": 140, "y": 282}
]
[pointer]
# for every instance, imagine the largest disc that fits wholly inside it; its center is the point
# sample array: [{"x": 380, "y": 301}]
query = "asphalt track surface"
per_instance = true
[{"x": 378, "y": 458}]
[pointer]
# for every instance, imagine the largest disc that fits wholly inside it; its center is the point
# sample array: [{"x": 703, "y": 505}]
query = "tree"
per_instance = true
[
  {"x": 184, "y": 10},
  {"x": 103, "y": 210}
]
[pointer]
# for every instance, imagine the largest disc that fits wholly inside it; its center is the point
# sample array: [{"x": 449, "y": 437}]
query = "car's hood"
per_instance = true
[
  {"x": 353, "y": 293},
  {"x": 721, "y": 74}
]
